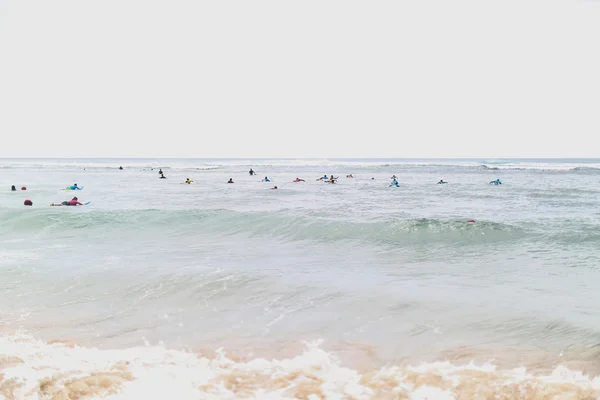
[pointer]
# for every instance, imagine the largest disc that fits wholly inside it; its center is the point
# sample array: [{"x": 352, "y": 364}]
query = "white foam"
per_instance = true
[
  {"x": 31, "y": 369},
  {"x": 212, "y": 164}
]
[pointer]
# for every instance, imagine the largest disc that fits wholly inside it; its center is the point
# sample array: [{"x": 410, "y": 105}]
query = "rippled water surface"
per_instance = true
[{"x": 385, "y": 276}]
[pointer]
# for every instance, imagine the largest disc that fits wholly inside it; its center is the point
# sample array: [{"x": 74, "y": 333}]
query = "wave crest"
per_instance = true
[{"x": 278, "y": 225}]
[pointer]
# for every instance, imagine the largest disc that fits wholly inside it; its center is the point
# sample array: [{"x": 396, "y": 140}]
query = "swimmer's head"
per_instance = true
[
  {"x": 75, "y": 198},
  {"x": 28, "y": 203}
]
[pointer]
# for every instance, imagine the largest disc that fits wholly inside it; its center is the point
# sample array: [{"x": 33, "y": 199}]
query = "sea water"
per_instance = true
[{"x": 159, "y": 289}]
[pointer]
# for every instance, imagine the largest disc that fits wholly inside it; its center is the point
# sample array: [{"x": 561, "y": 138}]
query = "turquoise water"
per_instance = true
[{"x": 360, "y": 265}]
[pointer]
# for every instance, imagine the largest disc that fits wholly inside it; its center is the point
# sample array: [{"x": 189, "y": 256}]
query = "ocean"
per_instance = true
[{"x": 354, "y": 290}]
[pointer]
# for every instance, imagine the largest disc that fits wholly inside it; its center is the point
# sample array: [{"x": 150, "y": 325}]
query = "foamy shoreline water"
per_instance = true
[
  {"x": 403, "y": 290},
  {"x": 32, "y": 369}
]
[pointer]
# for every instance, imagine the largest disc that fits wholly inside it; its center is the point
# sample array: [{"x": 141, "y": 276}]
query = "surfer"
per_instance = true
[
  {"x": 230, "y": 180},
  {"x": 332, "y": 179},
  {"x": 120, "y": 169},
  {"x": 323, "y": 178},
  {"x": 73, "y": 187},
  {"x": 188, "y": 181},
  {"x": 496, "y": 182},
  {"x": 28, "y": 202},
  {"x": 274, "y": 187},
  {"x": 349, "y": 176},
  {"x": 266, "y": 179},
  {"x": 251, "y": 172},
  {"x": 13, "y": 188},
  {"x": 73, "y": 202},
  {"x": 441, "y": 182},
  {"x": 299, "y": 180}
]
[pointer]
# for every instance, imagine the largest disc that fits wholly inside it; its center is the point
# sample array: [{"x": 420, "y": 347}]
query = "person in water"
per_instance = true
[
  {"x": 349, "y": 176},
  {"x": 24, "y": 188},
  {"x": 274, "y": 187},
  {"x": 188, "y": 181},
  {"x": 120, "y": 168},
  {"x": 230, "y": 180},
  {"x": 299, "y": 180},
  {"x": 74, "y": 187},
  {"x": 441, "y": 182},
  {"x": 251, "y": 172},
  {"x": 73, "y": 202},
  {"x": 496, "y": 182},
  {"x": 332, "y": 179},
  {"x": 266, "y": 179},
  {"x": 13, "y": 188},
  {"x": 28, "y": 202}
]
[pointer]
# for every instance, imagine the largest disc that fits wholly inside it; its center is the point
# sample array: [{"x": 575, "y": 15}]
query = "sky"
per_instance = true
[{"x": 301, "y": 79}]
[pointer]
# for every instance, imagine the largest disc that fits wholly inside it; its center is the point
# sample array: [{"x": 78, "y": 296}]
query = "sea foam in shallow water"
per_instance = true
[{"x": 31, "y": 369}]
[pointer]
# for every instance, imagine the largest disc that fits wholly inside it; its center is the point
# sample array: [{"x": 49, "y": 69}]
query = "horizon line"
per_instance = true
[{"x": 300, "y": 158}]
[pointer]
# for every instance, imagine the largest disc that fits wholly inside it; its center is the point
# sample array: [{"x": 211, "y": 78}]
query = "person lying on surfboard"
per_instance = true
[
  {"x": 74, "y": 187},
  {"x": 73, "y": 202}
]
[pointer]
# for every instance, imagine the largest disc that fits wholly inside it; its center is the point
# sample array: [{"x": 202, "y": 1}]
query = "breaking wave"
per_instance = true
[{"x": 31, "y": 369}]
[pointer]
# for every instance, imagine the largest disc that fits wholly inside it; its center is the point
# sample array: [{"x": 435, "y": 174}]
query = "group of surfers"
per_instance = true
[
  {"x": 333, "y": 179},
  {"x": 329, "y": 179},
  {"x": 73, "y": 202},
  {"x": 324, "y": 178}
]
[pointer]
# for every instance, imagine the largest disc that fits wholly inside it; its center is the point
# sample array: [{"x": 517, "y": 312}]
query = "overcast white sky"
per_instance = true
[{"x": 245, "y": 78}]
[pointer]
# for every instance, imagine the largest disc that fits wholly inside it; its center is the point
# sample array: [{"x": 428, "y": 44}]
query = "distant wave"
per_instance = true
[
  {"x": 146, "y": 165},
  {"x": 34, "y": 369},
  {"x": 111, "y": 168},
  {"x": 278, "y": 225},
  {"x": 592, "y": 170}
]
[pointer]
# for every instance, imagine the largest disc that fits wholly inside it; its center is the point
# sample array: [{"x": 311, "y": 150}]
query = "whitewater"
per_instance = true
[{"x": 354, "y": 290}]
